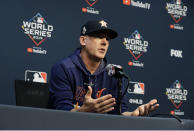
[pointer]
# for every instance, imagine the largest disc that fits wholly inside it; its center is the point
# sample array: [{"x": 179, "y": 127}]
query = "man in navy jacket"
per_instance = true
[{"x": 81, "y": 83}]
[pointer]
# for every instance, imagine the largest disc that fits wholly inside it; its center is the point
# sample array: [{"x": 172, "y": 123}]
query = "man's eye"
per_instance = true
[{"x": 100, "y": 36}]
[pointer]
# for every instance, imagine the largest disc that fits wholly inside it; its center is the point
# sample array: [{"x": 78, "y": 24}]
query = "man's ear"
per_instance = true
[{"x": 82, "y": 40}]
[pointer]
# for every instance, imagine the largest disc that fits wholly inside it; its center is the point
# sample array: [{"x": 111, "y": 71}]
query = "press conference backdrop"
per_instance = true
[{"x": 155, "y": 45}]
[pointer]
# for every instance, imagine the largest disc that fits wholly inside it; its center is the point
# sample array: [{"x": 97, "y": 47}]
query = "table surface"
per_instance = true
[{"x": 27, "y": 118}]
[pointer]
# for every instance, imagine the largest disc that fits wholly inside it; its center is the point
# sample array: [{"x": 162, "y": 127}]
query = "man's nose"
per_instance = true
[{"x": 104, "y": 41}]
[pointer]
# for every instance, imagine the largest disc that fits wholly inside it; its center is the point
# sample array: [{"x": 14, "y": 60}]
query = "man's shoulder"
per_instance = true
[{"x": 65, "y": 63}]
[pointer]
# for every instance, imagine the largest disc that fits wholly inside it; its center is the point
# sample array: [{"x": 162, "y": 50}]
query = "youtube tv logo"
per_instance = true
[
  {"x": 139, "y": 4},
  {"x": 130, "y": 63},
  {"x": 176, "y": 26},
  {"x": 172, "y": 112},
  {"x": 84, "y": 10},
  {"x": 30, "y": 50},
  {"x": 127, "y": 2},
  {"x": 172, "y": 26},
  {"x": 36, "y": 50}
]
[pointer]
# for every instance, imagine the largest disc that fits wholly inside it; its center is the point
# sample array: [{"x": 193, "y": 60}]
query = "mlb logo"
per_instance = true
[
  {"x": 40, "y": 19},
  {"x": 172, "y": 112},
  {"x": 136, "y": 88},
  {"x": 177, "y": 85},
  {"x": 36, "y": 76},
  {"x": 126, "y": 2},
  {"x": 178, "y": 2},
  {"x": 137, "y": 36}
]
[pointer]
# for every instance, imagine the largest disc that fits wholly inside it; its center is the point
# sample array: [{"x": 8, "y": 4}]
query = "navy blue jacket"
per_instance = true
[{"x": 69, "y": 83}]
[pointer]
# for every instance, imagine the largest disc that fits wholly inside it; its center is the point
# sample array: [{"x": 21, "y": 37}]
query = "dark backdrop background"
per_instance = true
[{"x": 160, "y": 69}]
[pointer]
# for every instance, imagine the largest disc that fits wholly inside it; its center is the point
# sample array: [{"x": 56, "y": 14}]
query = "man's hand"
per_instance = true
[
  {"x": 100, "y": 105},
  {"x": 143, "y": 110}
]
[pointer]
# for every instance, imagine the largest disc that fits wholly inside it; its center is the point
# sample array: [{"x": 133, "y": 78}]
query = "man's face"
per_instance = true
[{"x": 96, "y": 45}]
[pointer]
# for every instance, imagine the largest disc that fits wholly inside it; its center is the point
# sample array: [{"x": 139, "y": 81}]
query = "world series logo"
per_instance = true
[
  {"x": 177, "y": 11},
  {"x": 38, "y": 30},
  {"x": 177, "y": 95},
  {"x": 137, "y": 46}
]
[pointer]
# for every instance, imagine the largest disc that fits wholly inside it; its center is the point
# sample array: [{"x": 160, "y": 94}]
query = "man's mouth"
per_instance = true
[{"x": 101, "y": 50}]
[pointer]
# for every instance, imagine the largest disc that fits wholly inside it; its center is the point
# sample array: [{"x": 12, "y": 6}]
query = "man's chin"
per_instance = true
[{"x": 99, "y": 58}]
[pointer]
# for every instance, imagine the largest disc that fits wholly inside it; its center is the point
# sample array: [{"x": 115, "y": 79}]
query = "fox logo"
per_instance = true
[{"x": 176, "y": 53}]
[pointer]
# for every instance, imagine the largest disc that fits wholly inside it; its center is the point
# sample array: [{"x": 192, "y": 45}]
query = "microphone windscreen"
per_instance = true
[{"x": 111, "y": 70}]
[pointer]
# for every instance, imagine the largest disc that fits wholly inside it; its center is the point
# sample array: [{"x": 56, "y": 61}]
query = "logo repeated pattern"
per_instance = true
[
  {"x": 177, "y": 95},
  {"x": 177, "y": 11},
  {"x": 136, "y": 88},
  {"x": 137, "y": 3},
  {"x": 36, "y": 76},
  {"x": 137, "y": 46},
  {"x": 38, "y": 30}
]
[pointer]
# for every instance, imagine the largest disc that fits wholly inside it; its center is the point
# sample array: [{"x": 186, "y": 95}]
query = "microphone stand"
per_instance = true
[
  {"x": 119, "y": 96},
  {"x": 117, "y": 71},
  {"x": 119, "y": 75}
]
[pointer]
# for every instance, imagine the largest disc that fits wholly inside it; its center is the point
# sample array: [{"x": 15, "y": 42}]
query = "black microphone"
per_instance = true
[{"x": 116, "y": 71}]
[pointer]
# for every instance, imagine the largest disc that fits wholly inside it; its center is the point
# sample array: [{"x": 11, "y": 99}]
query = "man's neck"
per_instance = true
[{"x": 90, "y": 63}]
